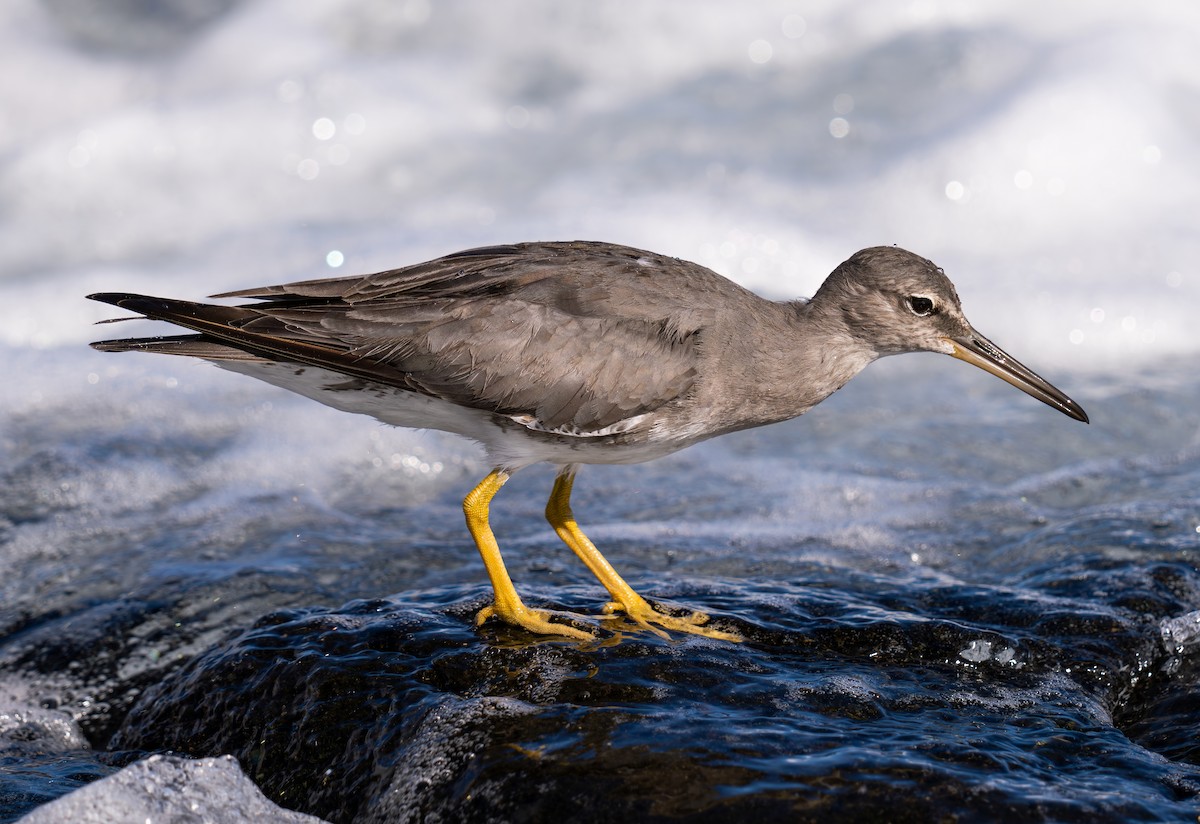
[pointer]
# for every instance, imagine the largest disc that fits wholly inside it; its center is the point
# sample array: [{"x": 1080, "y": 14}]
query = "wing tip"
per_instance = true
[
  {"x": 196, "y": 346},
  {"x": 144, "y": 304},
  {"x": 112, "y": 345},
  {"x": 113, "y": 298}
]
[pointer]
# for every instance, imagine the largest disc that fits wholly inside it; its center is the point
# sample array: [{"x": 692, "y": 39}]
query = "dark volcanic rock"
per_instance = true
[{"x": 390, "y": 712}]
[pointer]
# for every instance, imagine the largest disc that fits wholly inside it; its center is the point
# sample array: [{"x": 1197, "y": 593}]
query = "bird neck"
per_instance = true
[
  {"x": 790, "y": 360},
  {"x": 825, "y": 351}
]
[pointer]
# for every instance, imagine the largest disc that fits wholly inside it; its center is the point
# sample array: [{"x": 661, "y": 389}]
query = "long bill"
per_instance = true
[{"x": 977, "y": 350}]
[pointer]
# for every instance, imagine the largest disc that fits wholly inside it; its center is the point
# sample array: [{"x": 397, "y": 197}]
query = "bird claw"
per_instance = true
[
  {"x": 653, "y": 620},
  {"x": 640, "y": 613},
  {"x": 536, "y": 621}
]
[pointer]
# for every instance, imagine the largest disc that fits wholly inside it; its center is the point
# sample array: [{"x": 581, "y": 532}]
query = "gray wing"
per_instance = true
[{"x": 576, "y": 338}]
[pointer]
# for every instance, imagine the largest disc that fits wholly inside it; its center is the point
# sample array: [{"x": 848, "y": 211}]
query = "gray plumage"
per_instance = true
[
  {"x": 576, "y": 353},
  {"x": 580, "y": 340}
]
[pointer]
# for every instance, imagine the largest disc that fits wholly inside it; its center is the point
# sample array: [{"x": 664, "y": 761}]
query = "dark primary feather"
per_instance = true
[{"x": 195, "y": 346}]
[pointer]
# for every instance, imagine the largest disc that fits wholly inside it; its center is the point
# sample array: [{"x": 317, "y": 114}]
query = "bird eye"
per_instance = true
[{"x": 920, "y": 306}]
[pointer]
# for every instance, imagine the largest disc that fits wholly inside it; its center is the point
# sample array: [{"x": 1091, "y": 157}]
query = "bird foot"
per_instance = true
[
  {"x": 647, "y": 617},
  {"x": 536, "y": 621},
  {"x": 639, "y": 613}
]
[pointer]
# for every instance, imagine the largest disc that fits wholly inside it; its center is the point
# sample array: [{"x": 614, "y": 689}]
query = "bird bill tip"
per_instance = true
[{"x": 978, "y": 351}]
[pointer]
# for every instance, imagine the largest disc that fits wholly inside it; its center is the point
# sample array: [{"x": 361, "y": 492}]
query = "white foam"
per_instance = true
[
  {"x": 1043, "y": 158},
  {"x": 1181, "y": 633}
]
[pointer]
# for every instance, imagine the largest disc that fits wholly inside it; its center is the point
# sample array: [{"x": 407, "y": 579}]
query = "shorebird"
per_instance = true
[{"x": 577, "y": 353}]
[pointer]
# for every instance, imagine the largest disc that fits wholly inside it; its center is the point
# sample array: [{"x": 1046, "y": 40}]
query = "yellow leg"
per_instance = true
[
  {"x": 507, "y": 605},
  {"x": 624, "y": 599}
]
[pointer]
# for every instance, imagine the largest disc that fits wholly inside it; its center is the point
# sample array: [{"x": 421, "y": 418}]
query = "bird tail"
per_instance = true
[
  {"x": 177, "y": 312},
  {"x": 238, "y": 333}
]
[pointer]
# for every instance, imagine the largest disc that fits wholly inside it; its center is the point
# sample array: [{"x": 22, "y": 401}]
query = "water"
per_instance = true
[{"x": 957, "y": 603}]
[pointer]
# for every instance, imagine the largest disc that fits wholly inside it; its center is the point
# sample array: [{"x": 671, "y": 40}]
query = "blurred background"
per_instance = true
[{"x": 1045, "y": 155}]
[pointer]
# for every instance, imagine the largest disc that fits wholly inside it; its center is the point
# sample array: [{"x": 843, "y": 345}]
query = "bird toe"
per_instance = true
[
  {"x": 647, "y": 617},
  {"x": 537, "y": 621}
]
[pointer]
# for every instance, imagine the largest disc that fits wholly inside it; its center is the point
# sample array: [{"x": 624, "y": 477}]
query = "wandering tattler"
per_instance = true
[{"x": 577, "y": 353}]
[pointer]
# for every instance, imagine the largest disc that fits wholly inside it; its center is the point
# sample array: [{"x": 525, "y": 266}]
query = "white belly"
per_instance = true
[{"x": 509, "y": 442}]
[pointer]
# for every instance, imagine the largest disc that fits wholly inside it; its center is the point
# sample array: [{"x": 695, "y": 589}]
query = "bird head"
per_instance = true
[{"x": 893, "y": 301}]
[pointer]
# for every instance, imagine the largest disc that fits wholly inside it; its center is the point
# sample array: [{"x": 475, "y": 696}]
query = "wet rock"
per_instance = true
[
  {"x": 167, "y": 788},
  {"x": 394, "y": 712},
  {"x": 43, "y": 754}
]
